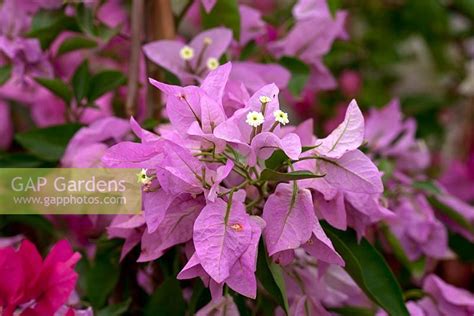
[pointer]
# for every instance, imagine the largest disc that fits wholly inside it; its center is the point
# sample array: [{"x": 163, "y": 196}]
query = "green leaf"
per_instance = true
[
  {"x": 466, "y": 6},
  {"x": 167, "y": 300},
  {"x": 271, "y": 277},
  {"x": 75, "y": 43},
  {"x": 299, "y": 74},
  {"x": 104, "y": 82},
  {"x": 276, "y": 160},
  {"x": 47, "y": 24},
  {"x": 427, "y": 186},
  {"x": 387, "y": 167},
  {"x": 106, "y": 33},
  {"x": 272, "y": 175},
  {"x": 5, "y": 73},
  {"x": 352, "y": 311},
  {"x": 20, "y": 160},
  {"x": 200, "y": 297},
  {"x": 225, "y": 13},
  {"x": 36, "y": 222},
  {"x": 115, "y": 309},
  {"x": 451, "y": 213},
  {"x": 80, "y": 81},
  {"x": 416, "y": 268},
  {"x": 462, "y": 247},
  {"x": 48, "y": 143},
  {"x": 57, "y": 87},
  {"x": 278, "y": 157},
  {"x": 103, "y": 273},
  {"x": 369, "y": 270},
  {"x": 85, "y": 18},
  {"x": 432, "y": 190},
  {"x": 334, "y": 5}
]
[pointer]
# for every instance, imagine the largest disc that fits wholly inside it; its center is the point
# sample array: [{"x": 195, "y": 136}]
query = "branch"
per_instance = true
[
  {"x": 159, "y": 26},
  {"x": 134, "y": 67}
]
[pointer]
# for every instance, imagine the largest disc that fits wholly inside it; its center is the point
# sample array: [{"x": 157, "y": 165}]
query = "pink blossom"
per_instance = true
[
  {"x": 33, "y": 285},
  {"x": 6, "y": 126}
]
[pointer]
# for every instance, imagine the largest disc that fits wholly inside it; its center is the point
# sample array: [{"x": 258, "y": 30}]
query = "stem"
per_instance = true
[
  {"x": 159, "y": 25},
  {"x": 229, "y": 206},
  {"x": 134, "y": 68},
  {"x": 413, "y": 294},
  {"x": 274, "y": 126}
]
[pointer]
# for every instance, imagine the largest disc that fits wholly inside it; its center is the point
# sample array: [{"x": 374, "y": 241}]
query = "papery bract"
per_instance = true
[
  {"x": 449, "y": 300},
  {"x": 26, "y": 278},
  {"x": 348, "y": 136},
  {"x": 290, "y": 218},
  {"x": 175, "y": 227},
  {"x": 208, "y": 44},
  {"x": 222, "y": 233}
]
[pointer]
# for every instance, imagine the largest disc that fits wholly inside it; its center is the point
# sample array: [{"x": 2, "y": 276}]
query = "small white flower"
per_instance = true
[
  {"x": 281, "y": 117},
  {"x": 212, "y": 63},
  {"x": 142, "y": 177},
  {"x": 207, "y": 40},
  {"x": 186, "y": 53},
  {"x": 255, "y": 118},
  {"x": 264, "y": 99}
]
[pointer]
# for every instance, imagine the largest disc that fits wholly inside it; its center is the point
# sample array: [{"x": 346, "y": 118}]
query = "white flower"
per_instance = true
[
  {"x": 255, "y": 118},
  {"x": 264, "y": 99},
  {"x": 212, "y": 63},
  {"x": 281, "y": 117},
  {"x": 186, "y": 53},
  {"x": 207, "y": 40},
  {"x": 142, "y": 177}
]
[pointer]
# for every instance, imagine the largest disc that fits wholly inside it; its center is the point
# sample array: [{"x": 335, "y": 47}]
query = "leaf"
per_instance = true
[
  {"x": 104, "y": 82},
  {"x": 428, "y": 186},
  {"x": 5, "y": 73},
  {"x": 369, "y": 270},
  {"x": 48, "y": 143},
  {"x": 115, "y": 309},
  {"x": 103, "y": 273},
  {"x": 416, "y": 268},
  {"x": 334, "y": 5},
  {"x": 106, "y": 33},
  {"x": 80, "y": 81},
  {"x": 47, "y": 24},
  {"x": 352, "y": 311},
  {"x": 75, "y": 43},
  {"x": 167, "y": 300},
  {"x": 200, "y": 297},
  {"x": 85, "y": 18},
  {"x": 57, "y": 87},
  {"x": 35, "y": 222},
  {"x": 451, "y": 213},
  {"x": 20, "y": 160},
  {"x": 271, "y": 277},
  {"x": 299, "y": 74},
  {"x": 462, "y": 247},
  {"x": 272, "y": 175},
  {"x": 276, "y": 160},
  {"x": 240, "y": 302},
  {"x": 225, "y": 13}
]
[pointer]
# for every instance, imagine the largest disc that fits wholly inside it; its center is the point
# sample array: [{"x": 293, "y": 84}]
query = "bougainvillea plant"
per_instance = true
[{"x": 269, "y": 187}]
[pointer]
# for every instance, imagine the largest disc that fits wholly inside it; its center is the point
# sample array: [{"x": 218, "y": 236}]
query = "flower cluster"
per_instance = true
[
  {"x": 419, "y": 223},
  {"x": 219, "y": 182},
  {"x": 31, "y": 286}
]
